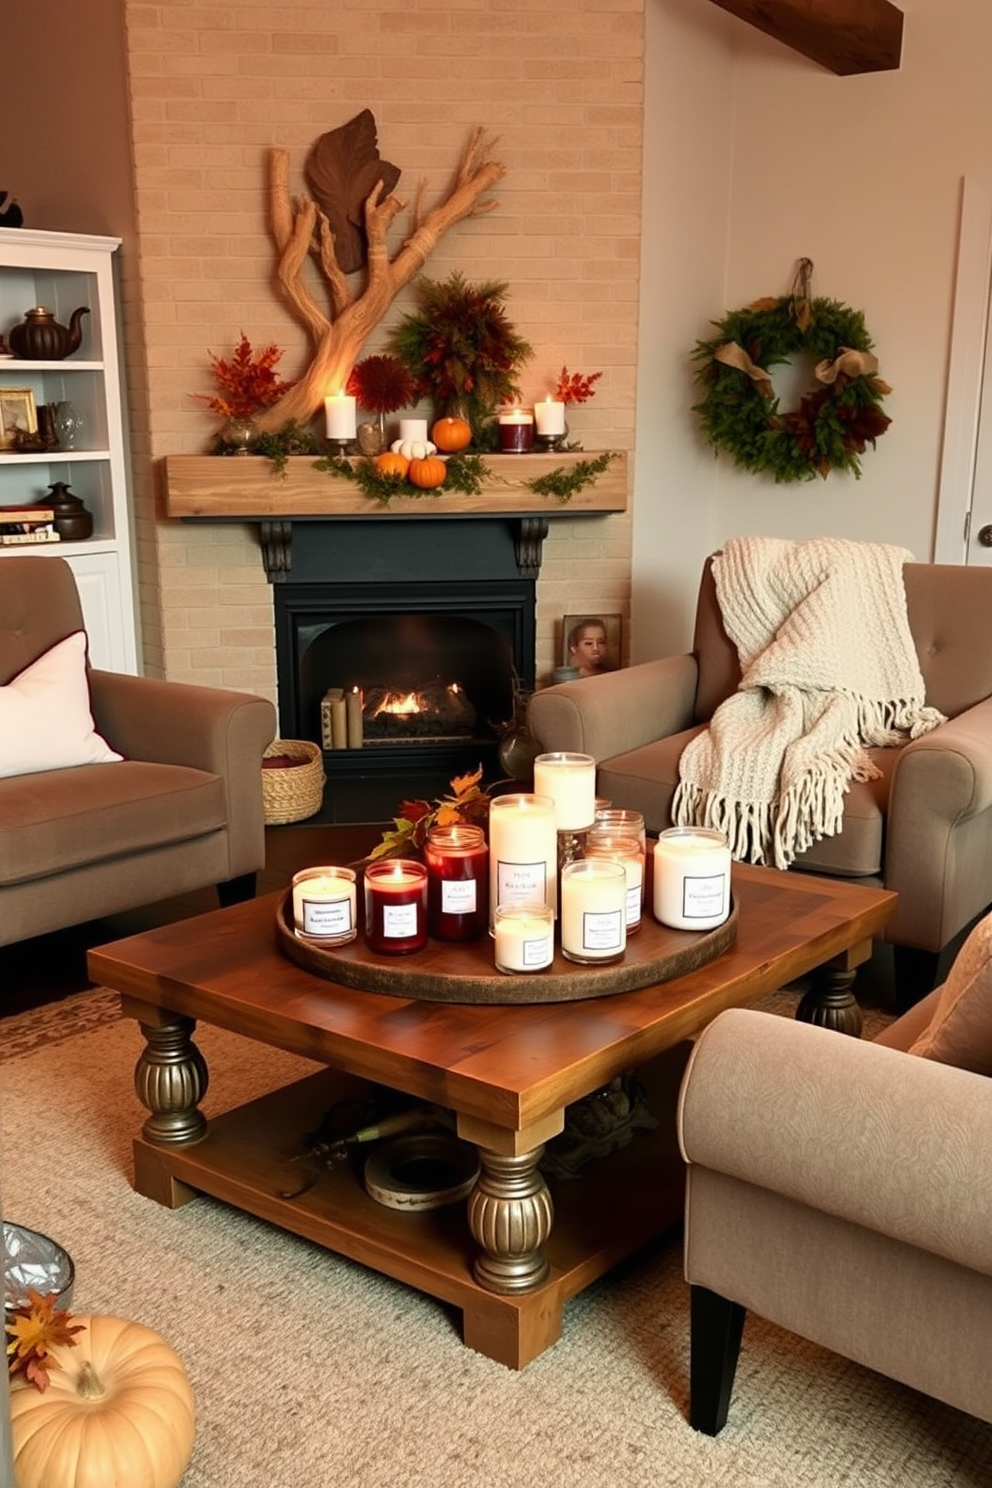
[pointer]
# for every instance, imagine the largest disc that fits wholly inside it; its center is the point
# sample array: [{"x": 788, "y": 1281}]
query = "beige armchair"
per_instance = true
[
  {"x": 181, "y": 810},
  {"x": 924, "y": 828},
  {"x": 842, "y": 1190}
]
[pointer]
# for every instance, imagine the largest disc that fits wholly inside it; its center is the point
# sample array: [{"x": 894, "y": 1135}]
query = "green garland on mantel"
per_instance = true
[
  {"x": 834, "y": 422},
  {"x": 467, "y": 473}
]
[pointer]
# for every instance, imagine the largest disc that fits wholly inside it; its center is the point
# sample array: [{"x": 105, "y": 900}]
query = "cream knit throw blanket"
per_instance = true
[{"x": 828, "y": 669}]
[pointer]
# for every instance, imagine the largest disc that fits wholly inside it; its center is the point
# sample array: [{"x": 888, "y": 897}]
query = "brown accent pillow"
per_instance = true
[{"x": 960, "y": 1031}]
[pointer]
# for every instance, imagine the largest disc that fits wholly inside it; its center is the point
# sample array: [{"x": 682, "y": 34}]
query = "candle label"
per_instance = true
[
  {"x": 537, "y": 951},
  {"x": 602, "y": 930},
  {"x": 399, "y": 921},
  {"x": 704, "y": 896},
  {"x": 633, "y": 905},
  {"x": 521, "y": 883},
  {"x": 458, "y": 896},
  {"x": 327, "y": 916}
]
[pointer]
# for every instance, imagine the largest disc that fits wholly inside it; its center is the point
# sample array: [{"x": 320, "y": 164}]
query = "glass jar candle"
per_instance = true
[
  {"x": 457, "y": 861},
  {"x": 629, "y": 823},
  {"x": 570, "y": 782},
  {"x": 515, "y": 428},
  {"x": 523, "y": 852},
  {"x": 623, "y": 848},
  {"x": 525, "y": 938},
  {"x": 324, "y": 905},
  {"x": 691, "y": 878},
  {"x": 593, "y": 897},
  {"x": 396, "y": 907}
]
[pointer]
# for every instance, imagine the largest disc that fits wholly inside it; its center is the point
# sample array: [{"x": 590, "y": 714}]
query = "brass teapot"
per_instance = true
[{"x": 40, "y": 338}]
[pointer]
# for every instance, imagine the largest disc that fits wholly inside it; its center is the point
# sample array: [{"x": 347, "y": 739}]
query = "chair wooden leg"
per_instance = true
[
  {"x": 237, "y": 890},
  {"x": 716, "y": 1328}
]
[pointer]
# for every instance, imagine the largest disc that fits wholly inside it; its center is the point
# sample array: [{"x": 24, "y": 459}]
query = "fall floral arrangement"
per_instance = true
[
  {"x": 573, "y": 387},
  {"x": 463, "y": 350},
  {"x": 466, "y": 803},
  {"x": 382, "y": 384},
  {"x": 247, "y": 383}
]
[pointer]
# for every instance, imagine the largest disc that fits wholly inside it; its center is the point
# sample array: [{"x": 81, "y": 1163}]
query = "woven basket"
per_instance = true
[{"x": 293, "y": 794}]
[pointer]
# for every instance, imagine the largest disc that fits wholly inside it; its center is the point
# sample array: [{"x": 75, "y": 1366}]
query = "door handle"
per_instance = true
[{"x": 985, "y": 536}]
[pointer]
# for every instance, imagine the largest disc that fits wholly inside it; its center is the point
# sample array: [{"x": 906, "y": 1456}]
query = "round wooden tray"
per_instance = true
[{"x": 448, "y": 972}]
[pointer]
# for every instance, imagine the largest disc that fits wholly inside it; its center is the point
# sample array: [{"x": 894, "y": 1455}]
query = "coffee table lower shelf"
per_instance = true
[{"x": 617, "y": 1205}]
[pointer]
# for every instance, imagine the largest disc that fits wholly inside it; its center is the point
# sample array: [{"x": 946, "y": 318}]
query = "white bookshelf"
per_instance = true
[{"x": 62, "y": 271}]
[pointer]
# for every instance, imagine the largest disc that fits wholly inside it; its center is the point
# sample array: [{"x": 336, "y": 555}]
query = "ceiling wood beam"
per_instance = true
[{"x": 845, "y": 36}]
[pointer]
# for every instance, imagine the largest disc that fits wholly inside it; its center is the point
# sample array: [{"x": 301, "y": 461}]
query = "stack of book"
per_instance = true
[{"x": 27, "y": 524}]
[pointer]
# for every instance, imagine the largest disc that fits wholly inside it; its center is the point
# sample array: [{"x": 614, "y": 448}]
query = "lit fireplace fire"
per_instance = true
[{"x": 436, "y": 710}]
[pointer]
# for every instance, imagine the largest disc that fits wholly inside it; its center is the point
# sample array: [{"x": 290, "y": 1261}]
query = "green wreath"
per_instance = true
[{"x": 834, "y": 422}]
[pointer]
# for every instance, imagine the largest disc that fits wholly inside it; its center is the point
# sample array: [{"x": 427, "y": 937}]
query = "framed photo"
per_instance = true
[
  {"x": 18, "y": 415},
  {"x": 591, "y": 642}
]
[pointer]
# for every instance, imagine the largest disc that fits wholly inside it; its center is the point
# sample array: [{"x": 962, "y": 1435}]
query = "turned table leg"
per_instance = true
[
  {"x": 830, "y": 1001},
  {"x": 510, "y": 1215},
  {"x": 170, "y": 1080}
]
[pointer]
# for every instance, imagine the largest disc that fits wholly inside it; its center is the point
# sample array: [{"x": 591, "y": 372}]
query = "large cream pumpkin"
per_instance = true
[{"x": 118, "y": 1414}]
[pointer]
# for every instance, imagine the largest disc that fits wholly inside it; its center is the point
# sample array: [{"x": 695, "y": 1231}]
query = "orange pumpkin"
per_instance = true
[
  {"x": 390, "y": 464},
  {"x": 452, "y": 434},
  {"x": 427, "y": 473}
]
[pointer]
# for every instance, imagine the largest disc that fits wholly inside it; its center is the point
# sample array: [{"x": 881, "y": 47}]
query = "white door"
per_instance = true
[{"x": 964, "y": 509}]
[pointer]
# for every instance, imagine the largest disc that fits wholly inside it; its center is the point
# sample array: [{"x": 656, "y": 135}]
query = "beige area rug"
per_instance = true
[{"x": 310, "y": 1371}]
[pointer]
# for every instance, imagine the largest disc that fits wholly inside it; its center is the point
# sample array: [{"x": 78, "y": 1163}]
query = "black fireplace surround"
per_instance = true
[{"x": 396, "y": 604}]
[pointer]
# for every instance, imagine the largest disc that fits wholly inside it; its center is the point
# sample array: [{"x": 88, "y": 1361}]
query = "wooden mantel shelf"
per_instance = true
[
  {"x": 248, "y": 488},
  {"x": 234, "y": 488}
]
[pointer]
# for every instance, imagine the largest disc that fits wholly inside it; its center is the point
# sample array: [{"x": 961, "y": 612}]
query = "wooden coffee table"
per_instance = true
[{"x": 512, "y": 1255}]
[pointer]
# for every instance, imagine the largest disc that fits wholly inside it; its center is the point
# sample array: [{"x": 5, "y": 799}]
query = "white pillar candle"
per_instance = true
[
  {"x": 339, "y": 410},
  {"x": 324, "y": 902},
  {"x": 339, "y": 723},
  {"x": 525, "y": 938},
  {"x": 691, "y": 878},
  {"x": 570, "y": 782},
  {"x": 353, "y": 718},
  {"x": 414, "y": 428},
  {"x": 523, "y": 852},
  {"x": 593, "y": 895},
  {"x": 549, "y": 416}
]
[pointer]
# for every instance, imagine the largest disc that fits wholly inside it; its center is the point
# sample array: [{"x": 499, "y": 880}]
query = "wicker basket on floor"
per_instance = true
[{"x": 294, "y": 792}]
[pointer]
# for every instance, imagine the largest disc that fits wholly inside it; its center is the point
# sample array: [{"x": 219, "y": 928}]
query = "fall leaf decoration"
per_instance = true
[
  {"x": 572, "y": 387},
  {"x": 247, "y": 383},
  {"x": 835, "y": 421},
  {"x": 466, "y": 803},
  {"x": 382, "y": 384},
  {"x": 34, "y": 1330}
]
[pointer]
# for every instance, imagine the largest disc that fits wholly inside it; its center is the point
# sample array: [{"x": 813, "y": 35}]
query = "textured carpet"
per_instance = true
[{"x": 309, "y": 1370}]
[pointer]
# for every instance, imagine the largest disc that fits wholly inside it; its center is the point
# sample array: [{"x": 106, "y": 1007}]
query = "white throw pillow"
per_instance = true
[{"x": 45, "y": 718}]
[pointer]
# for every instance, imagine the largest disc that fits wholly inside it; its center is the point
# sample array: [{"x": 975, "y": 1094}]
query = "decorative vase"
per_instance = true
[
  {"x": 68, "y": 424},
  {"x": 73, "y": 521},
  {"x": 517, "y": 747},
  {"x": 239, "y": 434},
  {"x": 372, "y": 437}
]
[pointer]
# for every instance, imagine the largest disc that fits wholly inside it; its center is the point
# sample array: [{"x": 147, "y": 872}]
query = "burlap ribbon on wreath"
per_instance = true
[{"x": 848, "y": 363}]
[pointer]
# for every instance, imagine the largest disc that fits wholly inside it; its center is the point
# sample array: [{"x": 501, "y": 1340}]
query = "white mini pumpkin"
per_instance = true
[{"x": 413, "y": 449}]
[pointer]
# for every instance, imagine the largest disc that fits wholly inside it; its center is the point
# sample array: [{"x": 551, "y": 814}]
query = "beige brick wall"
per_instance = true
[{"x": 214, "y": 88}]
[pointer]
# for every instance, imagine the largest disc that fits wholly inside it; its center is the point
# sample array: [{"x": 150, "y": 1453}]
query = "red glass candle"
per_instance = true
[
  {"x": 457, "y": 882},
  {"x": 396, "y": 907}
]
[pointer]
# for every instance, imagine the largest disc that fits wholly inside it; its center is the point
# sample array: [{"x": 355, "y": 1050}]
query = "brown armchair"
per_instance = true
[
  {"x": 181, "y": 811},
  {"x": 924, "y": 828},
  {"x": 842, "y": 1190}
]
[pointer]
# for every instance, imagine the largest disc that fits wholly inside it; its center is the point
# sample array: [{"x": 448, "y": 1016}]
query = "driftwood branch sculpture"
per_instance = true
[{"x": 301, "y": 230}]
